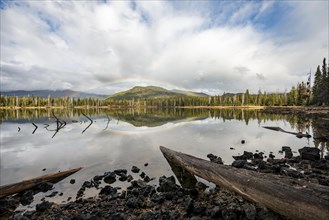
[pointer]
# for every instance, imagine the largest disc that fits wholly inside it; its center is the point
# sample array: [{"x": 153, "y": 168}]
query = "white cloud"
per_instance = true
[{"x": 84, "y": 45}]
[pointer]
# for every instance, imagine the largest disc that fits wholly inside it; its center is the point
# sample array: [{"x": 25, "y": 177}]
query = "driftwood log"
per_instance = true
[
  {"x": 295, "y": 199},
  {"x": 11, "y": 189}
]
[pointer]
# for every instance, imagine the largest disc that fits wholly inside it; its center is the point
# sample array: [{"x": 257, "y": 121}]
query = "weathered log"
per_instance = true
[
  {"x": 295, "y": 199},
  {"x": 11, "y": 189},
  {"x": 298, "y": 134}
]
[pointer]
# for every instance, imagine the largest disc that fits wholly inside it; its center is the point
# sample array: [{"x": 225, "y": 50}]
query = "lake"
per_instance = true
[{"x": 119, "y": 139}]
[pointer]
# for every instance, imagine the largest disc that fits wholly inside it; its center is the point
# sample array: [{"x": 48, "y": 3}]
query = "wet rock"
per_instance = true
[
  {"x": 231, "y": 148},
  {"x": 239, "y": 163},
  {"x": 271, "y": 156},
  {"x": 146, "y": 164},
  {"x": 26, "y": 198},
  {"x": 215, "y": 159},
  {"x": 123, "y": 177},
  {"x": 108, "y": 190},
  {"x": 72, "y": 181},
  {"x": 258, "y": 155},
  {"x": 309, "y": 153},
  {"x": 87, "y": 184},
  {"x": 44, "y": 169},
  {"x": 245, "y": 156},
  {"x": 147, "y": 179},
  {"x": 44, "y": 187},
  {"x": 243, "y": 141},
  {"x": 129, "y": 178},
  {"x": 98, "y": 178},
  {"x": 109, "y": 177},
  {"x": 52, "y": 194},
  {"x": 142, "y": 175},
  {"x": 167, "y": 184},
  {"x": 43, "y": 206},
  {"x": 250, "y": 211},
  {"x": 120, "y": 171},
  {"x": 137, "y": 184},
  {"x": 201, "y": 186},
  {"x": 135, "y": 169}
]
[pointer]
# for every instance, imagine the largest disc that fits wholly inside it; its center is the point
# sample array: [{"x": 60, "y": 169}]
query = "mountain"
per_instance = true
[
  {"x": 53, "y": 93},
  {"x": 150, "y": 92}
]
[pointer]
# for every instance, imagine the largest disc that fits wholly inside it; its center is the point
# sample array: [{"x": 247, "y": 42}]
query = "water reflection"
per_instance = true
[{"x": 124, "y": 137}]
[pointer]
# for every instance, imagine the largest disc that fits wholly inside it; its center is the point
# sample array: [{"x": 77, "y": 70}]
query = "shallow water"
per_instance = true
[{"x": 123, "y": 138}]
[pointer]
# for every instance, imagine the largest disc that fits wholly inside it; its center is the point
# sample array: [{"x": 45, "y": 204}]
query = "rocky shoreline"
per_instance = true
[{"x": 168, "y": 200}]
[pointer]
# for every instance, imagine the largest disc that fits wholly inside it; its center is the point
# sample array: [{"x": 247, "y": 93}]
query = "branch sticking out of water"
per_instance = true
[
  {"x": 36, "y": 127},
  {"x": 91, "y": 122}
]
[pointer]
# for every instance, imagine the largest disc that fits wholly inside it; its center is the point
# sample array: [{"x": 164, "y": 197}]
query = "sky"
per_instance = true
[{"x": 109, "y": 46}]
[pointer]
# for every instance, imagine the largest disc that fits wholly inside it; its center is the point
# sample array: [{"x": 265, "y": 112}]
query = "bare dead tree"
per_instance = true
[
  {"x": 36, "y": 127},
  {"x": 91, "y": 122}
]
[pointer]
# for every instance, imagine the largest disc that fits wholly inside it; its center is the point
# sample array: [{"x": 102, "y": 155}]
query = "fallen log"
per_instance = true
[
  {"x": 11, "y": 189},
  {"x": 298, "y": 134},
  {"x": 295, "y": 199}
]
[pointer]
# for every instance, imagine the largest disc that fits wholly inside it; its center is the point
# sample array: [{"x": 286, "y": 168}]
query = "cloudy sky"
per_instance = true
[{"x": 108, "y": 46}]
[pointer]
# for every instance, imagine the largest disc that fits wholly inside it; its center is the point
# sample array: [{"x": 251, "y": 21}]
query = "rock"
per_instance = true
[
  {"x": 201, "y": 186},
  {"x": 98, "y": 178},
  {"x": 309, "y": 153},
  {"x": 245, "y": 156},
  {"x": 258, "y": 155},
  {"x": 44, "y": 169},
  {"x": 52, "y": 194},
  {"x": 243, "y": 141},
  {"x": 271, "y": 155},
  {"x": 123, "y": 177},
  {"x": 43, "y": 206},
  {"x": 44, "y": 187},
  {"x": 129, "y": 178},
  {"x": 110, "y": 177},
  {"x": 146, "y": 164},
  {"x": 135, "y": 169},
  {"x": 119, "y": 171},
  {"x": 147, "y": 179},
  {"x": 72, "y": 181},
  {"x": 142, "y": 175},
  {"x": 239, "y": 163},
  {"x": 108, "y": 190},
  {"x": 87, "y": 184},
  {"x": 250, "y": 210},
  {"x": 215, "y": 159},
  {"x": 231, "y": 148},
  {"x": 167, "y": 184},
  {"x": 137, "y": 184},
  {"x": 26, "y": 198}
]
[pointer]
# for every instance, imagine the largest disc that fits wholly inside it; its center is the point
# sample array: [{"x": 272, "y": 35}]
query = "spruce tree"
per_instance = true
[
  {"x": 316, "y": 86},
  {"x": 324, "y": 83}
]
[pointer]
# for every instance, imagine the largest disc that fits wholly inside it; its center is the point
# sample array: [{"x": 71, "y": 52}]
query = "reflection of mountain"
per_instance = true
[{"x": 153, "y": 120}]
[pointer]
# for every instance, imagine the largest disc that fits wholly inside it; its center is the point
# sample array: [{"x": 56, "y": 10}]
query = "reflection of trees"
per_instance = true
[{"x": 152, "y": 117}]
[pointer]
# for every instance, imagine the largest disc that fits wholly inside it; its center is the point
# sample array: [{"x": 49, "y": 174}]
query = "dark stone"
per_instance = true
[
  {"x": 262, "y": 165},
  {"x": 286, "y": 148},
  {"x": 135, "y": 169},
  {"x": 129, "y": 178},
  {"x": 123, "y": 177},
  {"x": 271, "y": 156},
  {"x": 110, "y": 177},
  {"x": 44, "y": 187},
  {"x": 157, "y": 198},
  {"x": 52, "y": 194},
  {"x": 231, "y": 148},
  {"x": 26, "y": 198},
  {"x": 215, "y": 159},
  {"x": 258, "y": 155},
  {"x": 245, "y": 156},
  {"x": 72, "y": 181},
  {"x": 108, "y": 190},
  {"x": 43, "y": 206},
  {"x": 44, "y": 169},
  {"x": 201, "y": 186},
  {"x": 146, "y": 164},
  {"x": 119, "y": 171},
  {"x": 142, "y": 175},
  {"x": 323, "y": 181},
  {"x": 98, "y": 178},
  {"x": 87, "y": 184},
  {"x": 239, "y": 163},
  {"x": 147, "y": 179},
  {"x": 250, "y": 210},
  {"x": 243, "y": 141},
  {"x": 309, "y": 153},
  {"x": 167, "y": 184}
]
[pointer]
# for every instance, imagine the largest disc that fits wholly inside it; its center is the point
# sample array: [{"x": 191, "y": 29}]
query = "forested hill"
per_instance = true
[{"x": 153, "y": 92}]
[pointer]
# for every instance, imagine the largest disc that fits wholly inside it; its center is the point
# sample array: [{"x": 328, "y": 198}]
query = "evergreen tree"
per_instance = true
[
  {"x": 316, "y": 86},
  {"x": 324, "y": 84}
]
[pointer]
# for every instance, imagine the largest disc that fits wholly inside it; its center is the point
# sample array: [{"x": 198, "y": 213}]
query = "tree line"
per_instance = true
[{"x": 300, "y": 95}]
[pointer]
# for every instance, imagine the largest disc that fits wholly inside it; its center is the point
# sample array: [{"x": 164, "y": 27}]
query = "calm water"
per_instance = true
[{"x": 133, "y": 137}]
